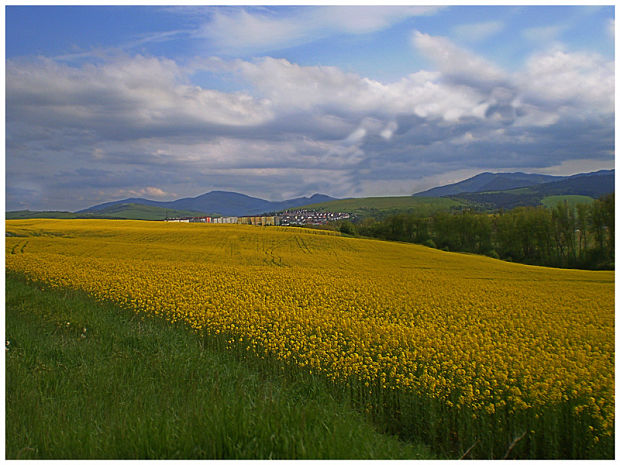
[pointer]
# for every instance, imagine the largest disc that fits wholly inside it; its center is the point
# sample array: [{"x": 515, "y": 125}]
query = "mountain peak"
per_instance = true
[
  {"x": 489, "y": 182},
  {"x": 223, "y": 203}
]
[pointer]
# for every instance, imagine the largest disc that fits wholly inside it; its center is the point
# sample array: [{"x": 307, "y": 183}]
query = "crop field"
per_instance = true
[{"x": 467, "y": 353}]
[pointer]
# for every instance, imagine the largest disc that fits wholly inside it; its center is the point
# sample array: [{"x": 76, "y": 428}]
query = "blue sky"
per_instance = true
[{"x": 105, "y": 103}]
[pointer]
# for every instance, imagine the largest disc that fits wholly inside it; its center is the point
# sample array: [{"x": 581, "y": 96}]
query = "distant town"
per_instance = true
[{"x": 287, "y": 218}]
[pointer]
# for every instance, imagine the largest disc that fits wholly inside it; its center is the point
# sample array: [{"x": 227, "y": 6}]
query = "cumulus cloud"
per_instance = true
[
  {"x": 127, "y": 95},
  {"x": 139, "y": 121},
  {"x": 303, "y": 88},
  {"x": 557, "y": 79}
]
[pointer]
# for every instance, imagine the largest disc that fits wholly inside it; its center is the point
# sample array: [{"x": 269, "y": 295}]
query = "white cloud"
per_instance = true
[
  {"x": 466, "y": 138},
  {"x": 148, "y": 191},
  {"x": 141, "y": 97},
  {"x": 365, "y": 19},
  {"x": 241, "y": 30},
  {"x": 576, "y": 166},
  {"x": 456, "y": 61},
  {"x": 236, "y": 30},
  {"x": 303, "y": 128},
  {"x": 557, "y": 78},
  {"x": 355, "y": 137},
  {"x": 389, "y": 129},
  {"x": 136, "y": 92},
  {"x": 290, "y": 87},
  {"x": 478, "y": 32}
]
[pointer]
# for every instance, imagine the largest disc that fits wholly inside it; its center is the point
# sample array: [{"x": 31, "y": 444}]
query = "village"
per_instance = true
[{"x": 286, "y": 218}]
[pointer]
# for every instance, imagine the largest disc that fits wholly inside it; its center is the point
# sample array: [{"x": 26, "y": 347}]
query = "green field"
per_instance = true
[
  {"x": 134, "y": 211},
  {"x": 379, "y": 207},
  {"x": 86, "y": 380},
  {"x": 127, "y": 211},
  {"x": 28, "y": 214},
  {"x": 572, "y": 200}
]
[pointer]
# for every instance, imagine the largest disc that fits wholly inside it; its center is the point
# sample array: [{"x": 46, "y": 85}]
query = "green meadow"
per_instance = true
[{"x": 89, "y": 380}]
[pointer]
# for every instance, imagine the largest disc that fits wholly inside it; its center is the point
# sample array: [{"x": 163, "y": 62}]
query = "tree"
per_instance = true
[{"x": 346, "y": 227}]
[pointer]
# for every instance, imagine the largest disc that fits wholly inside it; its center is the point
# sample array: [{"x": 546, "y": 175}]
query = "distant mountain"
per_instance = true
[
  {"x": 486, "y": 182},
  {"x": 592, "y": 185},
  {"x": 219, "y": 203}
]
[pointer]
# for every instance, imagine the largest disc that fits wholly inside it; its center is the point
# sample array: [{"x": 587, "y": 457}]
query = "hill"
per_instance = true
[
  {"x": 552, "y": 200},
  {"x": 379, "y": 207},
  {"x": 486, "y": 191},
  {"x": 485, "y": 182},
  {"x": 28, "y": 214},
  {"x": 127, "y": 211},
  {"x": 593, "y": 185},
  {"x": 135, "y": 211},
  {"x": 219, "y": 203}
]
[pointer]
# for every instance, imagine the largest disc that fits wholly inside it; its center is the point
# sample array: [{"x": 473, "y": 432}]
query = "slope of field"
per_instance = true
[
  {"x": 379, "y": 207},
  {"x": 552, "y": 200},
  {"x": 127, "y": 211},
  {"x": 453, "y": 349},
  {"x": 134, "y": 211},
  {"x": 28, "y": 214},
  {"x": 89, "y": 380}
]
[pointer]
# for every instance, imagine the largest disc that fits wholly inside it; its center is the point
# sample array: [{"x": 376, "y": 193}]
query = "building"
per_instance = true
[{"x": 295, "y": 217}]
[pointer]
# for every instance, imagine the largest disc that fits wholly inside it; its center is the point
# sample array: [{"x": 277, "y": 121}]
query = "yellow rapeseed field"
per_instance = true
[{"x": 486, "y": 338}]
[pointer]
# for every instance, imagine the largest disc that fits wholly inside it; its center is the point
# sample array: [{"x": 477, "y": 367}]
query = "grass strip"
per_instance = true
[{"x": 89, "y": 380}]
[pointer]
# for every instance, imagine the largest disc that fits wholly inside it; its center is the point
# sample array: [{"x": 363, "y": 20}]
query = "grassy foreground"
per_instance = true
[{"x": 86, "y": 380}]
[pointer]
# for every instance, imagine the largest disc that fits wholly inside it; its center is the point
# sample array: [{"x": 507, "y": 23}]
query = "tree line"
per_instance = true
[{"x": 580, "y": 236}]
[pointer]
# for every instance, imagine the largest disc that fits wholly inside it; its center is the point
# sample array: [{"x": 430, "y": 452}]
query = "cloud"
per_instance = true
[
  {"x": 478, "y": 32},
  {"x": 137, "y": 126},
  {"x": 561, "y": 80},
  {"x": 456, "y": 62},
  {"x": 152, "y": 191},
  {"x": 293, "y": 88},
  {"x": 242, "y": 30},
  {"x": 122, "y": 98},
  {"x": 389, "y": 129}
]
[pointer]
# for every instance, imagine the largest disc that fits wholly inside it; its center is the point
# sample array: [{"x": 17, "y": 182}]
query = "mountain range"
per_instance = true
[
  {"x": 485, "y": 182},
  {"x": 509, "y": 190},
  {"x": 485, "y": 191},
  {"x": 218, "y": 203}
]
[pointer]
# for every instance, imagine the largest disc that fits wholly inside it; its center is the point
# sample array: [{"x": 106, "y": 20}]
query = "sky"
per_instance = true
[{"x": 106, "y": 103}]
